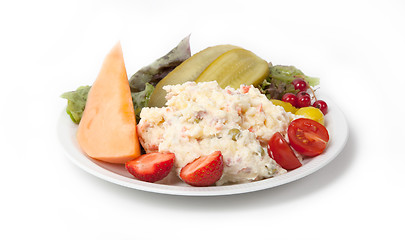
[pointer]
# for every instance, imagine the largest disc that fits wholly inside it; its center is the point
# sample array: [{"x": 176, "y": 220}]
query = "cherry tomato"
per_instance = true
[
  {"x": 311, "y": 113},
  {"x": 282, "y": 153},
  {"x": 308, "y": 137}
]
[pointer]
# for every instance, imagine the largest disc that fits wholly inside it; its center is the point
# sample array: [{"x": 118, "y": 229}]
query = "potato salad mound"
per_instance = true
[{"x": 202, "y": 118}]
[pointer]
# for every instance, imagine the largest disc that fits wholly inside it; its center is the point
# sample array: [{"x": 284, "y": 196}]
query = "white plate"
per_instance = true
[{"x": 335, "y": 123}]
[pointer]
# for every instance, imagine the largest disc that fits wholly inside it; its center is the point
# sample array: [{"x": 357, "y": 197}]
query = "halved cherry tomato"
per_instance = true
[
  {"x": 308, "y": 137},
  {"x": 282, "y": 153}
]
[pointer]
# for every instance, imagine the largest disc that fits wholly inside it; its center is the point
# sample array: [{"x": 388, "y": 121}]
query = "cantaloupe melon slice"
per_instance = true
[{"x": 107, "y": 130}]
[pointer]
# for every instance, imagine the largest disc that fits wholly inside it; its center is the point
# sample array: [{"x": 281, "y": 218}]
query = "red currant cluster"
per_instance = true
[{"x": 302, "y": 98}]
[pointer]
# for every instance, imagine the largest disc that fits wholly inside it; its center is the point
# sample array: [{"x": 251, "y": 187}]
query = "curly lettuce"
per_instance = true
[
  {"x": 279, "y": 81},
  {"x": 141, "y": 99},
  {"x": 289, "y": 73},
  {"x": 76, "y": 102},
  {"x": 157, "y": 70},
  {"x": 275, "y": 89}
]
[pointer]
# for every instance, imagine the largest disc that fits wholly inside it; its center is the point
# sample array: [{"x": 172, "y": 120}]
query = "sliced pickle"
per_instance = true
[
  {"x": 189, "y": 70},
  {"x": 236, "y": 67}
]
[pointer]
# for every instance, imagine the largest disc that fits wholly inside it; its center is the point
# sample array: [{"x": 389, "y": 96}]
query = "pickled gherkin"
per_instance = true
[
  {"x": 236, "y": 67},
  {"x": 234, "y": 133},
  {"x": 189, "y": 70}
]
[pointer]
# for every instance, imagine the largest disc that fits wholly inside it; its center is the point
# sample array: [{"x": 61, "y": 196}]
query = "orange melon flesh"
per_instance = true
[{"x": 107, "y": 130}]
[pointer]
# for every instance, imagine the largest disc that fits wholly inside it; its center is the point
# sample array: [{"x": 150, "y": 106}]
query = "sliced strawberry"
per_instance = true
[
  {"x": 203, "y": 171},
  {"x": 151, "y": 167}
]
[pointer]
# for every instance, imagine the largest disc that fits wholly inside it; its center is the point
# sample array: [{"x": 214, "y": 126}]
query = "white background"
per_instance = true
[{"x": 357, "y": 48}]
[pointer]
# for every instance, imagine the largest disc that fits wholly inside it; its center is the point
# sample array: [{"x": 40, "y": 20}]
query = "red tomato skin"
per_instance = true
[
  {"x": 308, "y": 137},
  {"x": 282, "y": 153}
]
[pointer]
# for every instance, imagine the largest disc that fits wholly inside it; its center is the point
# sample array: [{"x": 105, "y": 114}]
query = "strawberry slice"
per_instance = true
[
  {"x": 203, "y": 171},
  {"x": 151, "y": 167}
]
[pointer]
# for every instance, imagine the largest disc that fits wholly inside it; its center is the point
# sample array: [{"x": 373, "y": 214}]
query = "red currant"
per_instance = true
[
  {"x": 304, "y": 99},
  {"x": 290, "y": 98},
  {"x": 321, "y": 105},
  {"x": 300, "y": 84}
]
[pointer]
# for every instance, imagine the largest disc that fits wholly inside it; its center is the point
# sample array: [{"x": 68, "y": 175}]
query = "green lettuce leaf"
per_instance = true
[
  {"x": 76, "y": 102},
  {"x": 279, "y": 81},
  {"x": 141, "y": 99},
  {"x": 289, "y": 73}
]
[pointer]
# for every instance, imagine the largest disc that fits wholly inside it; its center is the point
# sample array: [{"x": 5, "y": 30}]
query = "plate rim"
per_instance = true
[{"x": 73, "y": 152}]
